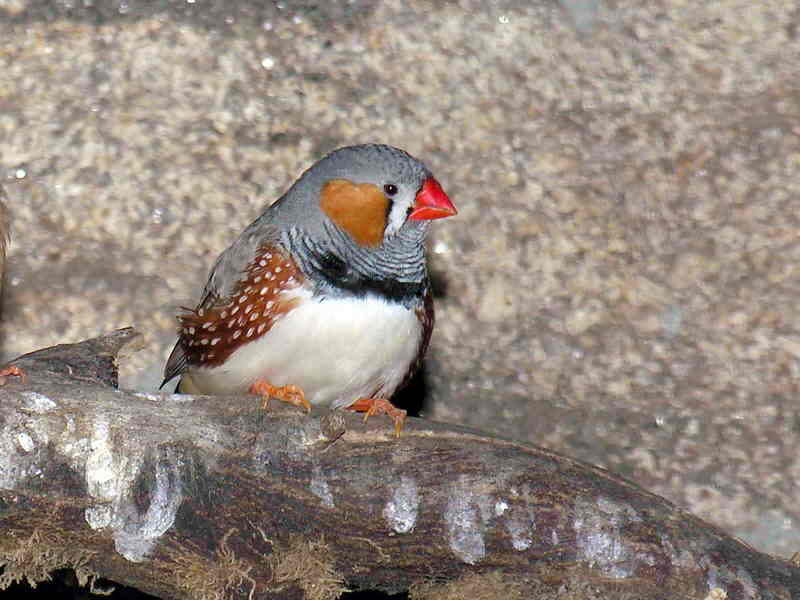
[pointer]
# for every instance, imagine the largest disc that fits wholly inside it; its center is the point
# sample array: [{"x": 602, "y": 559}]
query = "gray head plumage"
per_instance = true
[{"x": 376, "y": 164}]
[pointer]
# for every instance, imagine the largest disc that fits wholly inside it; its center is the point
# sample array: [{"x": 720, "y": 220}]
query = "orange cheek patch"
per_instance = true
[{"x": 357, "y": 208}]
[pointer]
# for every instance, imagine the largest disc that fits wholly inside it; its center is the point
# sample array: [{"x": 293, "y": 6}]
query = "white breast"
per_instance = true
[{"x": 337, "y": 351}]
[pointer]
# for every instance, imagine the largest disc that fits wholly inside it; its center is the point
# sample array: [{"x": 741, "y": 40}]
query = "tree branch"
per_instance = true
[{"x": 212, "y": 497}]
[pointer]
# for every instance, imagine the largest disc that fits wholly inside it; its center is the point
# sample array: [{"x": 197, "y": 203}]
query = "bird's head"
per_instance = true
[{"x": 372, "y": 193}]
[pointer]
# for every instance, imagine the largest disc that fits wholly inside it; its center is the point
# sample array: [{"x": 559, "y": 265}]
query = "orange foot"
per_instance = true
[
  {"x": 12, "y": 370},
  {"x": 376, "y": 406},
  {"x": 290, "y": 394}
]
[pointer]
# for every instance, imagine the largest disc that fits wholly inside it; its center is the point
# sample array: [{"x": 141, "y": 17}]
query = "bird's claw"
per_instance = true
[
  {"x": 291, "y": 394},
  {"x": 11, "y": 371},
  {"x": 377, "y": 406}
]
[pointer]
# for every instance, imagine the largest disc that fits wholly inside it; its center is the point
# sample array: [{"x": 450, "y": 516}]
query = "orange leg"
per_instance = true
[
  {"x": 291, "y": 394},
  {"x": 12, "y": 370},
  {"x": 376, "y": 406}
]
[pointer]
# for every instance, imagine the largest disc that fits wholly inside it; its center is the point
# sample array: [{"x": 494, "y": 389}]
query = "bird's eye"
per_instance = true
[{"x": 390, "y": 189}]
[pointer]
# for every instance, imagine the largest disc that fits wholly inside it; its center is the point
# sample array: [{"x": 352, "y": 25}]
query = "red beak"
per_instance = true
[{"x": 432, "y": 203}]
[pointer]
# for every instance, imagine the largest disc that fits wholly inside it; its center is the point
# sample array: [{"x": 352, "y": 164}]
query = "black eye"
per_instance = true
[{"x": 390, "y": 189}]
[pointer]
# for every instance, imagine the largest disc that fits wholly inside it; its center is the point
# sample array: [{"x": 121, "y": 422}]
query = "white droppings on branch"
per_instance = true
[
  {"x": 74, "y": 447},
  {"x": 518, "y": 516},
  {"x": 599, "y": 538},
  {"x": 17, "y": 462},
  {"x": 110, "y": 475},
  {"x": 25, "y": 442},
  {"x": 135, "y": 535},
  {"x": 603, "y": 550},
  {"x": 401, "y": 510},
  {"x": 38, "y": 403},
  {"x": 320, "y": 487},
  {"x": 464, "y": 522},
  {"x": 103, "y": 473},
  {"x": 520, "y": 533}
]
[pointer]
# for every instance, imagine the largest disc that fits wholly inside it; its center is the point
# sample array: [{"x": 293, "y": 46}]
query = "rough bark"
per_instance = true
[{"x": 212, "y": 497}]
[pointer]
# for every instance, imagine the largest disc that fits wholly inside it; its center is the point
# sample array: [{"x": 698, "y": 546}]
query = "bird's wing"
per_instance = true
[{"x": 239, "y": 302}]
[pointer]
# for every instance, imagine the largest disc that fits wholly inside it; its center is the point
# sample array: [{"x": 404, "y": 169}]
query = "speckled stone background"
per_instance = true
[{"x": 622, "y": 281}]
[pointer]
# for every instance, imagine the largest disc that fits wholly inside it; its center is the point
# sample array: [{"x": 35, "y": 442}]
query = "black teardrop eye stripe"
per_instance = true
[
  {"x": 389, "y": 206},
  {"x": 390, "y": 190}
]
